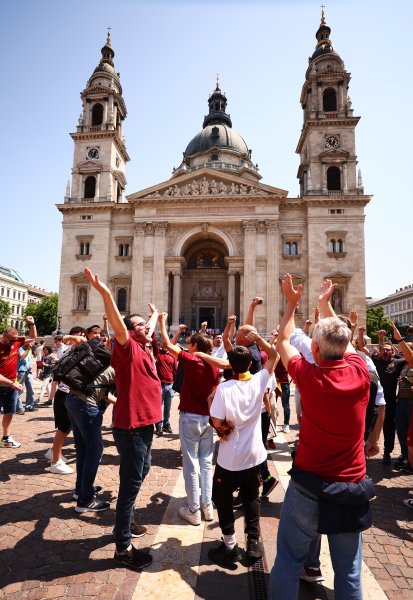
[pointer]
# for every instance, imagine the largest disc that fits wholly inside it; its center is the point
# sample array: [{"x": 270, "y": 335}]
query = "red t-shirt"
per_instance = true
[
  {"x": 9, "y": 357},
  {"x": 334, "y": 398},
  {"x": 138, "y": 387},
  {"x": 199, "y": 381},
  {"x": 166, "y": 365}
]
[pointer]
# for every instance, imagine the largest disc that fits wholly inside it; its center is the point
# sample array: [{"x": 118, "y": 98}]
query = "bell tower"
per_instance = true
[
  {"x": 326, "y": 146},
  {"x": 100, "y": 154}
]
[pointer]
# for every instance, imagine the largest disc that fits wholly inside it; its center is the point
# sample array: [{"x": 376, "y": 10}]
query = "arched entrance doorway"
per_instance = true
[{"x": 205, "y": 285}]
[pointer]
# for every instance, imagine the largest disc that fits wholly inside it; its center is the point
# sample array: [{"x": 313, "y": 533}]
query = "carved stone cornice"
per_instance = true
[{"x": 272, "y": 226}]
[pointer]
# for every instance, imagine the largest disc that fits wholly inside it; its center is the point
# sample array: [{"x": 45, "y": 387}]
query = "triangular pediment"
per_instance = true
[
  {"x": 90, "y": 166},
  {"x": 206, "y": 182},
  {"x": 334, "y": 154}
]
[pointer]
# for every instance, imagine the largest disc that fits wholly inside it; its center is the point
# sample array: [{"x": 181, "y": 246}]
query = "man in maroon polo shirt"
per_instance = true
[
  {"x": 166, "y": 366},
  {"x": 137, "y": 409},
  {"x": 328, "y": 492}
]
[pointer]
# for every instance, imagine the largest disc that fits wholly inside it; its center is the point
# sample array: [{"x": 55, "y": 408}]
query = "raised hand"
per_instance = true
[
  {"x": 326, "y": 291},
  {"x": 94, "y": 280},
  {"x": 162, "y": 317},
  {"x": 182, "y": 327},
  {"x": 316, "y": 314},
  {"x": 291, "y": 294},
  {"x": 232, "y": 319},
  {"x": 354, "y": 318},
  {"x": 257, "y": 300}
]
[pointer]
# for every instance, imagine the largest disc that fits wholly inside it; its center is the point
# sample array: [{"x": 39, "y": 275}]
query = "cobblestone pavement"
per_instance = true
[{"x": 47, "y": 550}]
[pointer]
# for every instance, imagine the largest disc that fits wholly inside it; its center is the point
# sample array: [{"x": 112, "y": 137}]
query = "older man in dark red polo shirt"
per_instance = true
[{"x": 328, "y": 492}]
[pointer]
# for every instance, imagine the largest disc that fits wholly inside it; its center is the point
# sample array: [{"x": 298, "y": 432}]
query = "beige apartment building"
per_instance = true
[{"x": 202, "y": 244}]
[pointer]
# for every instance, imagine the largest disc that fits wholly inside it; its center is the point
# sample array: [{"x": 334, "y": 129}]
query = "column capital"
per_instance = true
[
  {"x": 232, "y": 272},
  {"x": 272, "y": 226},
  {"x": 160, "y": 228},
  {"x": 140, "y": 229},
  {"x": 249, "y": 226}
]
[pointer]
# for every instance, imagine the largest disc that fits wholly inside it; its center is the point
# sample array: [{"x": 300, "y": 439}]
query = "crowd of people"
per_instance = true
[{"x": 346, "y": 395}]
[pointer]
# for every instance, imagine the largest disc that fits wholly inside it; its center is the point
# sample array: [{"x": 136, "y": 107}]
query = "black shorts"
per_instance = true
[{"x": 61, "y": 417}]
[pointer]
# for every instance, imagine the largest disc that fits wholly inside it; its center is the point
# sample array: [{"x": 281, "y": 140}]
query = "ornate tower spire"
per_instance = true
[
  {"x": 324, "y": 44},
  {"x": 217, "y": 108},
  {"x": 107, "y": 52}
]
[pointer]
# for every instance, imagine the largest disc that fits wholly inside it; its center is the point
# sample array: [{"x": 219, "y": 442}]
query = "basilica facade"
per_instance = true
[{"x": 204, "y": 243}]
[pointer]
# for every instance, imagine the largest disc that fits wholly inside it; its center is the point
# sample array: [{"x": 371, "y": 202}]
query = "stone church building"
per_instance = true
[{"x": 204, "y": 243}]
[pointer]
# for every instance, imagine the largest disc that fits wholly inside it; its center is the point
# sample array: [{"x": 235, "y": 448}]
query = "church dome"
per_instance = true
[{"x": 216, "y": 136}]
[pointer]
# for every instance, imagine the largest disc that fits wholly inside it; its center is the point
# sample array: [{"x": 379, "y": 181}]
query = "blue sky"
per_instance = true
[{"x": 168, "y": 54}]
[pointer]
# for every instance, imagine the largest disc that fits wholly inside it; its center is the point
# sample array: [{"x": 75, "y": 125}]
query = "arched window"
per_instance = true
[
  {"x": 332, "y": 246},
  {"x": 333, "y": 178},
  {"x": 121, "y": 299},
  {"x": 84, "y": 248},
  {"x": 90, "y": 187},
  {"x": 294, "y": 248},
  {"x": 123, "y": 250},
  {"x": 287, "y": 248},
  {"x": 329, "y": 100},
  {"x": 339, "y": 246},
  {"x": 97, "y": 114}
]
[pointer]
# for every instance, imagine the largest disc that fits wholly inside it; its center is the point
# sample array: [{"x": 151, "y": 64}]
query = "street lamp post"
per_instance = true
[{"x": 59, "y": 320}]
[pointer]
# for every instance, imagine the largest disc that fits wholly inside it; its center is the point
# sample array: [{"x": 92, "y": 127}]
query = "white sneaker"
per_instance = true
[
  {"x": 49, "y": 456},
  {"x": 60, "y": 468},
  {"x": 286, "y": 428},
  {"x": 208, "y": 511},
  {"x": 192, "y": 517}
]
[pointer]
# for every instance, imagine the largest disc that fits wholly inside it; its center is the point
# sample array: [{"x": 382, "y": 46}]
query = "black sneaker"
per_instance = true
[
  {"x": 255, "y": 549},
  {"x": 223, "y": 556},
  {"x": 268, "y": 486},
  {"x": 407, "y": 468},
  {"x": 167, "y": 428},
  {"x": 237, "y": 502},
  {"x": 158, "y": 431},
  {"x": 386, "y": 458},
  {"x": 91, "y": 506},
  {"x": 137, "y": 531},
  {"x": 96, "y": 490},
  {"x": 133, "y": 559},
  {"x": 399, "y": 463}
]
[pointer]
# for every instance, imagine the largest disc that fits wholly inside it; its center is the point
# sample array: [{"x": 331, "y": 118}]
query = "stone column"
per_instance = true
[
  {"x": 136, "y": 296},
  {"x": 80, "y": 193},
  {"x": 97, "y": 188},
  {"x": 241, "y": 299},
  {"x": 158, "y": 274},
  {"x": 231, "y": 292},
  {"x": 105, "y": 113},
  {"x": 176, "y": 299},
  {"x": 272, "y": 274},
  {"x": 250, "y": 232},
  {"x": 345, "y": 183},
  {"x": 323, "y": 177}
]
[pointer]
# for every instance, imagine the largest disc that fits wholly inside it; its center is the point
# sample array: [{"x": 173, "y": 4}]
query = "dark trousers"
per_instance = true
[
  {"x": 404, "y": 410},
  {"x": 134, "y": 447},
  {"x": 285, "y": 401},
  {"x": 248, "y": 482},
  {"x": 265, "y": 427},
  {"x": 389, "y": 428}
]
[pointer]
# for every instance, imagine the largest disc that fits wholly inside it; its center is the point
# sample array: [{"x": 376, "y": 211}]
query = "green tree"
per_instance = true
[
  {"x": 376, "y": 320},
  {"x": 5, "y": 312},
  {"x": 44, "y": 314}
]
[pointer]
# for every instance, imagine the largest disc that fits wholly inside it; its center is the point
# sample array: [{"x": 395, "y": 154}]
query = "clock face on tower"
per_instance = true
[
  {"x": 92, "y": 153},
  {"x": 332, "y": 141}
]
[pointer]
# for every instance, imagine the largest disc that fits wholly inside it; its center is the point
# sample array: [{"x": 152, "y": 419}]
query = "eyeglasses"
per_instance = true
[
  {"x": 12, "y": 340},
  {"x": 139, "y": 325}
]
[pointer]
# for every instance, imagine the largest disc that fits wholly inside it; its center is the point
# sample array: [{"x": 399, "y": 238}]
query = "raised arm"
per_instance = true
[
  {"x": 229, "y": 333},
  {"x": 112, "y": 311},
  {"x": 220, "y": 363},
  {"x": 273, "y": 356},
  {"x": 326, "y": 291},
  {"x": 32, "y": 327},
  {"x": 292, "y": 296},
  {"x": 250, "y": 315},
  {"x": 153, "y": 319},
  {"x": 404, "y": 347},
  {"x": 178, "y": 333},
  {"x": 307, "y": 326},
  {"x": 166, "y": 342},
  {"x": 354, "y": 319},
  {"x": 361, "y": 344}
]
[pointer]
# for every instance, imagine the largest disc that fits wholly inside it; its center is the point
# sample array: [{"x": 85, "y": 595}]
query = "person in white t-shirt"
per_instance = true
[{"x": 236, "y": 415}]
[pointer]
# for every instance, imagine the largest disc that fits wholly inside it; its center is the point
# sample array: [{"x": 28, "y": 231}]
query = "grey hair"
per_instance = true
[{"x": 332, "y": 337}]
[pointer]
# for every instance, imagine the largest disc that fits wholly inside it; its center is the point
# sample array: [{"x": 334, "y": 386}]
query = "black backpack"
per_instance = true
[{"x": 79, "y": 367}]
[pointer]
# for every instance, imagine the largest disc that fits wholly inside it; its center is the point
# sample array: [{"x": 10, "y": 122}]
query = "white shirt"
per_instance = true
[
  {"x": 219, "y": 352},
  {"x": 302, "y": 343},
  {"x": 240, "y": 402}
]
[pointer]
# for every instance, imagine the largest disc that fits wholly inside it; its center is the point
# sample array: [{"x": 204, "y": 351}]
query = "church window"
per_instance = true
[
  {"x": 97, "y": 114},
  {"x": 291, "y": 246},
  {"x": 329, "y": 100},
  {"x": 84, "y": 248},
  {"x": 118, "y": 194},
  {"x": 121, "y": 299},
  {"x": 123, "y": 250},
  {"x": 90, "y": 187},
  {"x": 333, "y": 178},
  {"x": 214, "y": 157}
]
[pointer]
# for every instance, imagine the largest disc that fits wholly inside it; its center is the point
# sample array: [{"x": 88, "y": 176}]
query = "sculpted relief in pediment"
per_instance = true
[{"x": 207, "y": 187}]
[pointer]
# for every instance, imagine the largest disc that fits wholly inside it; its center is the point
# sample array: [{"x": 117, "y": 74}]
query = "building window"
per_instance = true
[
  {"x": 23, "y": 296},
  {"x": 18, "y": 295},
  {"x": 214, "y": 157},
  {"x": 97, "y": 114},
  {"x": 123, "y": 250},
  {"x": 336, "y": 211},
  {"x": 336, "y": 246},
  {"x": 291, "y": 248},
  {"x": 90, "y": 187},
  {"x": 14, "y": 294},
  {"x": 81, "y": 301},
  {"x": 2, "y": 291},
  {"x": 85, "y": 217},
  {"x": 84, "y": 248},
  {"x": 333, "y": 178},
  {"x": 291, "y": 245},
  {"x": 8, "y": 293},
  {"x": 329, "y": 100},
  {"x": 121, "y": 299}
]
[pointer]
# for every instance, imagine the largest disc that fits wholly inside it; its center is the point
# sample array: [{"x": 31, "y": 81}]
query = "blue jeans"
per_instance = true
[
  {"x": 87, "y": 432},
  {"x": 297, "y": 529},
  {"x": 167, "y": 394},
  {"x": 26, "y": 379},
  {"x": 197, "y": 446},
  {"x": 134, "y": 447}
]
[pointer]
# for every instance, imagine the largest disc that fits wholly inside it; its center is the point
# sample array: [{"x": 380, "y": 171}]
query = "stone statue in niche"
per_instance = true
[
  {"x": 337, "y": 301},
  {"x": 81, "y": 299}
]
